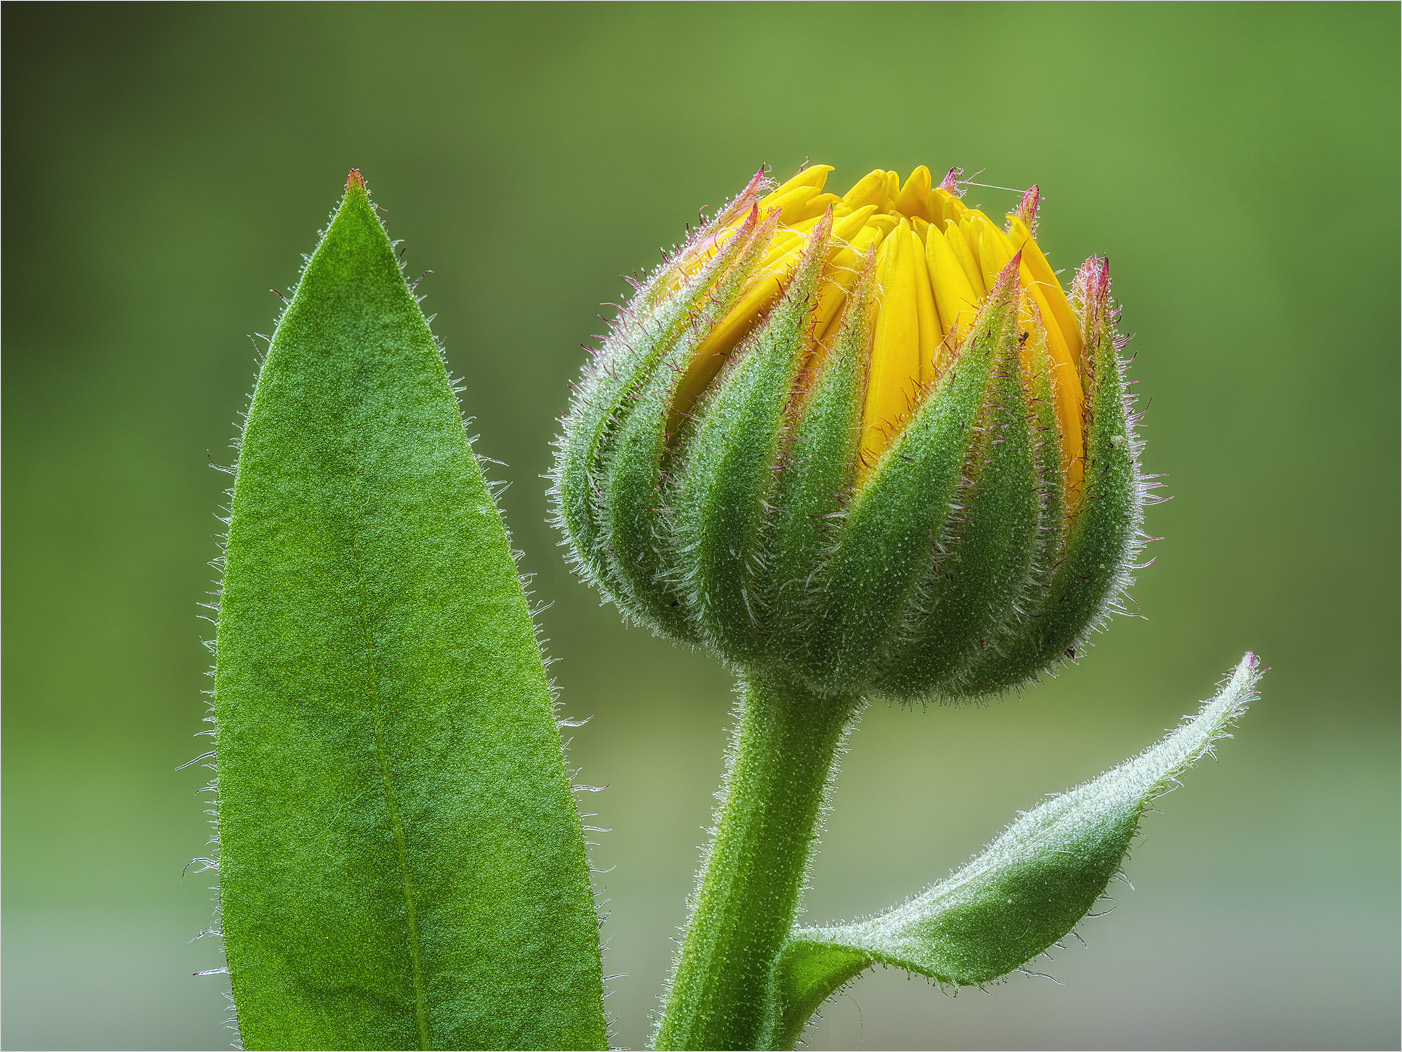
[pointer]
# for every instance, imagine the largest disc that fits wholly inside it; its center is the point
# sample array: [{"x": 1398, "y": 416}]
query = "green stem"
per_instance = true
[{"x": 781, "y": 763}]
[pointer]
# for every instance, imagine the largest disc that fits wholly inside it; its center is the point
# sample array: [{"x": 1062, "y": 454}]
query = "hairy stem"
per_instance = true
[{"x": 781, "y": 763}]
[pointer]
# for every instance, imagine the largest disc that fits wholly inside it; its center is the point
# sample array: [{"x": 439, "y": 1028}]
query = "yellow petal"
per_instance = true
[
  {"x": 930, "y": 331},
  {"x": 943, "y": 206},
  {"x": 1063, "y": 345},
  {"x": 815, "y": 177},
  {"x": 994, "y": 249},
  {"x": 1044, "y": 279},
  {"x": 1070, "y": 402},
  {"x": 959, "y": 245},
  {"x": 843, "y": 269},
  {"x": 849, "y": 226},
  {"x": 914, "y": 198},
  {"x": 893, "y": 190},
  {"x": 792, "y": 196},
  {"x": 956, "y": 299},
  {"x": 813, "y": 209},
  {"x": 800, "y": 204},
  {"x": 788, "y": 241},
  {"x": 709, "y": 356},
  {"x": 741, "y": 318},
  {"x": 870, "y": 190},
  {"x": 894, "y": 375}
]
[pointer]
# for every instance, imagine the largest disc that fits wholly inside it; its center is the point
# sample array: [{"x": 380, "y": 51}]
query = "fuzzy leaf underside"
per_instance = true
[
  {"x": 1022, "y": 894},
  {"x": 401, "y": 860}
]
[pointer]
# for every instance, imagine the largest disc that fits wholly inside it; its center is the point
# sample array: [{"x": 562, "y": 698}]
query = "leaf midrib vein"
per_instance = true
[{"x": 420, "y": 1010}]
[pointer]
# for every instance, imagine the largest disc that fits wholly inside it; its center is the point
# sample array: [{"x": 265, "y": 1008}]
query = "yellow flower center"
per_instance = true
[{"x": 936, "y": 261}]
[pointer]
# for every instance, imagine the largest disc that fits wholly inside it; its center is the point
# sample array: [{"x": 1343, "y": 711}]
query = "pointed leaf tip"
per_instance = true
[
  {"x": 1027, "y": 889},
  {"x": 355, "y": 181},
  {"x": 1027, "y": 208},
  {"x": 385, "y": 720}
]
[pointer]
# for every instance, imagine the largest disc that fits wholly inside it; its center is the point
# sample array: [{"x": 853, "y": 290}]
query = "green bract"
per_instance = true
[{"x": 750, "y": 499}]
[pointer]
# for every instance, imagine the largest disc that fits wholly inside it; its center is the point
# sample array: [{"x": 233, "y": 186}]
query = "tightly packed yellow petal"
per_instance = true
[{"x": 935, "y": 259}]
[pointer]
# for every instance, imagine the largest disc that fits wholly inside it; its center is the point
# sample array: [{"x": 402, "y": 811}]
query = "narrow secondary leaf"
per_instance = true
[
  {"x": 1022, "y": 894},
  {"x": 401, "y": 861}
]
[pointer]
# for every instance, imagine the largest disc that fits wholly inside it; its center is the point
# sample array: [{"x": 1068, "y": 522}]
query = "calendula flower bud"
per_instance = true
[{"x": 864, "y": 441}]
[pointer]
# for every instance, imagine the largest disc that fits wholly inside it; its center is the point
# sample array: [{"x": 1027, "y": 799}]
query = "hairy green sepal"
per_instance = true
[
  {"x": 728, "y": 480},
  {"x": 401, "y": 860},
  {"x": 1024, "y": 893}
]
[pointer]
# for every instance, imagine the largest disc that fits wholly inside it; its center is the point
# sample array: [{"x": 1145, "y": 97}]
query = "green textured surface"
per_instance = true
[
  {"x": 985, "y": 555},
  {"x": 818, "y": 467},
  {"x": 1239, "y": 163},
  {"x": 608, "y": 472},
  {"x": 886, "y": 543},
  {"x": 1102, "y": 537},
  {"x": 1024, "y": 893},
  {"x": 1049, "y": 539},
  {"x": 635, "y": 469},
  {"x": 727, "y": 477},
  {"x": 779, "y": 770},
  {"x": 401, "y": 861}
]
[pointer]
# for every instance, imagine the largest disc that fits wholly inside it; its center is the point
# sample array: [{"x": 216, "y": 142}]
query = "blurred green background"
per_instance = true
[{"x": 1239, "y": 164}]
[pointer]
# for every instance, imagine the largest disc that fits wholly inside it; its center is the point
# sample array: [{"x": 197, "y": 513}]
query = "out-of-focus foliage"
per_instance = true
[{"x": 1239, "y": 165}]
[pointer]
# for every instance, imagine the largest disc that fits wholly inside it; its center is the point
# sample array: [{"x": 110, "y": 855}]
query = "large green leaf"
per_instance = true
[
  {"x": 1025, "y": 892},
  {"x": 401, "y": 860}
]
